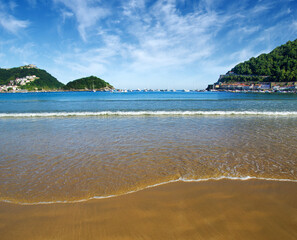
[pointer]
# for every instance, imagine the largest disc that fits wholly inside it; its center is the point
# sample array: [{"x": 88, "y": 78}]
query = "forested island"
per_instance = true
[
  {"x": 88, "y": 83},
  {"x": 31, "y": 78},
  {"x": 276, "y": 70}
]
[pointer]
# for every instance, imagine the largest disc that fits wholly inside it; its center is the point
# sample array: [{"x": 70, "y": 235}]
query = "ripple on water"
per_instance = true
[{"x": 72, "y": 159}]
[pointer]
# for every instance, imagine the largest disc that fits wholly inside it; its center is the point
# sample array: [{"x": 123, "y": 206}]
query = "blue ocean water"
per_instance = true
[
  {"x": 75, "y": 146},
  {"x": 99, "y": 102}
]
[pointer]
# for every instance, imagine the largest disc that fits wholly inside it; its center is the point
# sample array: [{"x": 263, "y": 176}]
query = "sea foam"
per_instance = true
[
  {"x": 148, "y": 113},
  {"x": 181, "y": 179}
]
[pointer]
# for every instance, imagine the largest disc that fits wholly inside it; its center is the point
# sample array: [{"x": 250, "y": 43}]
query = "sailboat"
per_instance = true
[{"x": 93, "y": 87}]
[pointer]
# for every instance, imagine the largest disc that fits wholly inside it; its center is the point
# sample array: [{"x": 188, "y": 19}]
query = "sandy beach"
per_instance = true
[{"x": 225, "y": 209}]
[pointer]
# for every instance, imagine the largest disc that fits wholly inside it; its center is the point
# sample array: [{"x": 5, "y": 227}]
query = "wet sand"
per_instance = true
[{"x": 225, "y": 209}]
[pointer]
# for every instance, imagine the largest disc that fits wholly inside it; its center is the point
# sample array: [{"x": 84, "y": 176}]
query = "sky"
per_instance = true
[{"x": 165, "y": 44}]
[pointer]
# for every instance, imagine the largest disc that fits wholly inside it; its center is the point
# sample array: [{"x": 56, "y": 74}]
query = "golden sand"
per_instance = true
[{"x": 225, "y": 209}]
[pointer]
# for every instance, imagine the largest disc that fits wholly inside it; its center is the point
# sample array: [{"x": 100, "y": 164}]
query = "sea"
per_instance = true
[{"x": 62, "y": 147}]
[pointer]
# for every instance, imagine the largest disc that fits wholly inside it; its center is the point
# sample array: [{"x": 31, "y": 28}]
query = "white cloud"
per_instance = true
[
  {"x": 87, "y": 13},
  {"x": 260, "y": 8},
  {"x": 249, "y": 29},
  {"x": 133, "y": 5},
  {"x": 155, "y": 39},
  {"x": 8, "y": 21},
  {"x": 158, "y": 37},
  {"x": 12, "y": 24},
  {"x": 242, "y": 55},
  {"x": 66, "y": 14},
  {"x": 166, "y": 38},
  {"x": 93, "y": 61}
]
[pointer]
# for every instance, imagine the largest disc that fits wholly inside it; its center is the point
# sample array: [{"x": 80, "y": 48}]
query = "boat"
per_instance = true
[{"x": 93, "y": 87}]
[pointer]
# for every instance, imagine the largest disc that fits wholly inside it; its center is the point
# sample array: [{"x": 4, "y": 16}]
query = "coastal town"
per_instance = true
[
  {"x": 267, "y": 87},
  {"x": 16, "y": 85},
  {"x": 251, "y": 86}
]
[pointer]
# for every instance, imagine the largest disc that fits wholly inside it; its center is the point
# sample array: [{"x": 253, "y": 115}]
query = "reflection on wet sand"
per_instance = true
[{"x": 225, "y": 209}]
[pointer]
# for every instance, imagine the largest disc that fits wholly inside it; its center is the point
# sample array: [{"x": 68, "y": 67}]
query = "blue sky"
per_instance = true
[{"x": 140, "y": 43}]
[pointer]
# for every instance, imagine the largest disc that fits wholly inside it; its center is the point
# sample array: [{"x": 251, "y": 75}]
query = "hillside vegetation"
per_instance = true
[
  {"x": 31, "y": 78},
  {"x": 87, "y": 83},
  {"x": 280, "y": 65},
  {"x": 44, "y": 81}
]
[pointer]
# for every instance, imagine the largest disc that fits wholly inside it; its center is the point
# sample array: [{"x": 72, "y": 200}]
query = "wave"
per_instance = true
[
  {"x": 151, "y": 186},
  {"x": 147, "y": 113}
]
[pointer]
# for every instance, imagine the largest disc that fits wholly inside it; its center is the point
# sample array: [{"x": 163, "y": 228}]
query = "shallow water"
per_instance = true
[{"x": 62, "y": 158}]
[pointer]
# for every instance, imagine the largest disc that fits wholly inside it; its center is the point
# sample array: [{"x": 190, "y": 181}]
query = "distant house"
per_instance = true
[{"x": 265, "y": 86}]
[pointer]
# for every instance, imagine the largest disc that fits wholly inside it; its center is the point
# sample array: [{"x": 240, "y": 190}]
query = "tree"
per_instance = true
[{"x": 279, "y": 65}]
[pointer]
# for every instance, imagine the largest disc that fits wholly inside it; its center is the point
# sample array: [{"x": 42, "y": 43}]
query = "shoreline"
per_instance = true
[
  {"x": 223, "y": 209},
  {"x": 180, "y": 180},
  {"x": 161, "y": 91}
]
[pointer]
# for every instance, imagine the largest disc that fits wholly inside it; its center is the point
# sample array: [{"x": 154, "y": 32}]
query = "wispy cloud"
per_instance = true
[
  {"x": 261, "y": 8},
  {"x": 145, "y": 37},
  {"x": 164, "y": 37},
  {"x": 94, "y": 60},
  {"x": 129, "y": 7},
  {"x": 12, "y": 24},
  {"x": 66, "y": 14},
  {"x": 159, "y": 36},
  {"x": 8, "y": 21},
  {"x": 87, "y": 13}
]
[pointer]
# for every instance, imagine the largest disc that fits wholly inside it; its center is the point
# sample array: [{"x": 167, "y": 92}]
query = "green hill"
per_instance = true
[
  {"x": 280, "y": 65},
  {"x": 43, "y": 80},
  {"x": 87, "y": 83}
]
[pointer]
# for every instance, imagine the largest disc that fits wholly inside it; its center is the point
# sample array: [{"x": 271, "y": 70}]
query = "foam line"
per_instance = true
[
  {"x": 147, "y": 113},
  {"x": 155, "y": 185}
]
